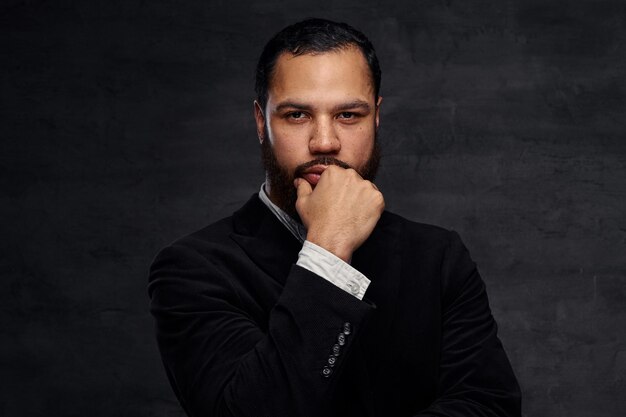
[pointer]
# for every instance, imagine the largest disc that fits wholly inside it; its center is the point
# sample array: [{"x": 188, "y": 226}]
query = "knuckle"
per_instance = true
[
  {"x": 380, "y": 199},
  {"x": 368, "y": 185}
]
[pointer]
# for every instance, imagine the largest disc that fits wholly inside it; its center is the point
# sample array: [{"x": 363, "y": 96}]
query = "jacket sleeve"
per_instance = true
[
  {"x": 221, "y": 362},
  {"x": 476, "y": 378}
]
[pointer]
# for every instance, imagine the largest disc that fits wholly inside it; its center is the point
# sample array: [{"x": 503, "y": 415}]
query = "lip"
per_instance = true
[
  {"x": 316, "y": 169},
  {"x": 312, "y": 175}
]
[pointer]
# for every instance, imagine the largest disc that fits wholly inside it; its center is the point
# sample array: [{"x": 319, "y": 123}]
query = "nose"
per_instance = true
[{"x": 324, "y": 139}]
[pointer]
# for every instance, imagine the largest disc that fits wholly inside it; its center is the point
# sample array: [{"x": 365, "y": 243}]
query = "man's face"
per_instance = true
[{"x": 321, "y": 110}]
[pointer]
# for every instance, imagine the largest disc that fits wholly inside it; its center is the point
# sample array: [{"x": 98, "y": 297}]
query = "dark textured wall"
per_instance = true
[{"x": 126, "y": 124}]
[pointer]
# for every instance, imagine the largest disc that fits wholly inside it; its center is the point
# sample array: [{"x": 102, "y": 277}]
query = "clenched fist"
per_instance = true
[{"x": 341, "y": 212}]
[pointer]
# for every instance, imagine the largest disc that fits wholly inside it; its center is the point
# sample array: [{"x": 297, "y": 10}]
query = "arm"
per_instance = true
[
  {"x": 223, "y": 363},
  {"x": 476, "y": 378}
]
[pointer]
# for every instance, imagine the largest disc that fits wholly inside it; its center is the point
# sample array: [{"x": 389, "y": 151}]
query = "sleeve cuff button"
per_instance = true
[{"x": 336, "y": 349}]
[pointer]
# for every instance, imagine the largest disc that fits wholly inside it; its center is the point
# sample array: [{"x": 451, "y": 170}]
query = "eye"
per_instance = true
[
  {"x": 297, "y": 115},
  {"x": 350, "y": 117}
]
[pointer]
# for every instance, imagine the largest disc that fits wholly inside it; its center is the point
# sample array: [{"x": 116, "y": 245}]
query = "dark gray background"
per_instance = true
[{"x": 126, "y": 124}]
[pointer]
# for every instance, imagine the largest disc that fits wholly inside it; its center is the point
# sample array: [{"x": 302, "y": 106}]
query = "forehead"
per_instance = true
[{"x": 333, "y": 75}]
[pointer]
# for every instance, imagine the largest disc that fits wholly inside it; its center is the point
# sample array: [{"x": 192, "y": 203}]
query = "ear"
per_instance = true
[
  {"x": 259, "y": 118},
  {"x": 378, "y": 103}
]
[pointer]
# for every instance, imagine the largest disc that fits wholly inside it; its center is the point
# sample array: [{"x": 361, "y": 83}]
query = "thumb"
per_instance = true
[{"x": 303, "y": 186}]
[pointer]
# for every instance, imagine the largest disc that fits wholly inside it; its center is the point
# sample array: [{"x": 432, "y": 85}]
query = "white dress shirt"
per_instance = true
[{"x": 317, "y": 259}]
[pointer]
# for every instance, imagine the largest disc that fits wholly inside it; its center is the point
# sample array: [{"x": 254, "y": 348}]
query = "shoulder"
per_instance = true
[
  {"x": 432, "y": 244},
  {"x": 198, "y": 248},
  {"x": 435, "y": 249},
  {"x": 218, "y": 235},
  {"x": 193, "y": 262},
  {"x": 214, "y": 234},
  {"x": 417, "y": 235},
  {"x": 213, "y": 246}
]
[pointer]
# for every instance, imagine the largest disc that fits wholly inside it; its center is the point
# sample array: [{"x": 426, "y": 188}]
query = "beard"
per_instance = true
[{"x": 284, "y": 193}]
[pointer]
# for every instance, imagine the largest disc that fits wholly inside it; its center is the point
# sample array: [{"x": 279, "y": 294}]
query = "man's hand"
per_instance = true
[{"x": 341, "y": 212}]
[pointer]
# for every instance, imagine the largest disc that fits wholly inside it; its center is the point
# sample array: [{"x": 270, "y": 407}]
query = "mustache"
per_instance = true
[{"x": 324, "y": 160}]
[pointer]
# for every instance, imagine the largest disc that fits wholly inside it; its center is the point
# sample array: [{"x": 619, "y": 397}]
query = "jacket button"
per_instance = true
[
  {"x": 331, "y": 361},
  {"x": 341, "y": 339},
  {"x": 347, "y": 328},
  {"x": 326, "y": 372}
]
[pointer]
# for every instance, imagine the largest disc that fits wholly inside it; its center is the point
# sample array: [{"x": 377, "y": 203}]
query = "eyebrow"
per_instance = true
[{"x": 356, "y": 104}]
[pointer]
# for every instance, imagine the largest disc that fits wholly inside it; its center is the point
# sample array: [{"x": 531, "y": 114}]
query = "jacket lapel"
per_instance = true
[{"x": 265, "y": 239}]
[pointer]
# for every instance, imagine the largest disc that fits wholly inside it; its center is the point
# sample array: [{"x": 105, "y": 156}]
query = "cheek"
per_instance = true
[
  {"x": 290, "y": 140},
  {"x": 287, "y": 151},
  {"x": 358, "y": 145}
]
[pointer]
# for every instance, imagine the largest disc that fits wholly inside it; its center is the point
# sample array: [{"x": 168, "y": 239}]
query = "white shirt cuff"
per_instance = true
[{"x": 333, "y": 269}]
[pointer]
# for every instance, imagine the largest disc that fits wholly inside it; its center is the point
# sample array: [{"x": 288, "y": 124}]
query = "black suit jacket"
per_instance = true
[{"x": 243, "y": 331}]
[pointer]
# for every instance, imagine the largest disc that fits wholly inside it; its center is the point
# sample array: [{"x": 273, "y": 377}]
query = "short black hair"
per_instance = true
[{"x": 312, "y": 36}]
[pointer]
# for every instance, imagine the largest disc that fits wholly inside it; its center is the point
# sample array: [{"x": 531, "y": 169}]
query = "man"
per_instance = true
[{"x": 311, "y": 300}]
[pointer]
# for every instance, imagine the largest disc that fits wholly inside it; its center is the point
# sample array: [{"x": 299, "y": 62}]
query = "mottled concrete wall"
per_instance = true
[{"x": 126, "y": 124}]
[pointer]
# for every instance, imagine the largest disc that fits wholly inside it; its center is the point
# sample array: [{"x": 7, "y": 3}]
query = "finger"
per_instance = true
[
  {"x": 303, "y": 186},
  {"x": 354, "y": 173}
]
